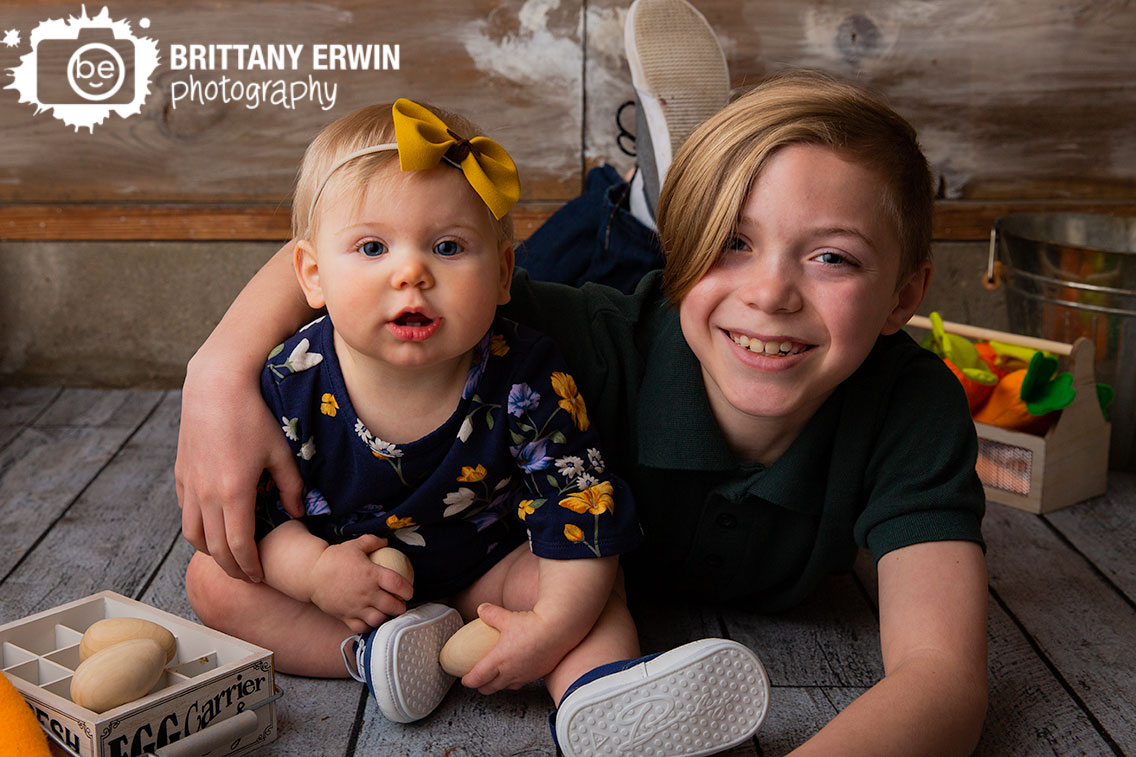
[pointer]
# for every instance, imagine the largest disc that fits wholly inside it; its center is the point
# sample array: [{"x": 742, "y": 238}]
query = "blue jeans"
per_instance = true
[{"x": 593, "y": 238}]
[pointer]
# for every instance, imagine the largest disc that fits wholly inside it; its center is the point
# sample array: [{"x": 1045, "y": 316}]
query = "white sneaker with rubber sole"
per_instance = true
[
  {"x": 679, "y": 73},
  {"x": 399, "y": 661},
  {"x": 697, "y": 699}
]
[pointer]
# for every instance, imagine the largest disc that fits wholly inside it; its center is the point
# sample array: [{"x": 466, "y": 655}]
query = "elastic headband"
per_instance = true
[{"x": 423, "y": 141}]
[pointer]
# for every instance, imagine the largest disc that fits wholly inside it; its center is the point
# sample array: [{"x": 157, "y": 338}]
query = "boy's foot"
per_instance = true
[
  {"x": 700, "y": 698},
  {"x": 680, "y": 78},
  {"x": 399, "y": 661}
]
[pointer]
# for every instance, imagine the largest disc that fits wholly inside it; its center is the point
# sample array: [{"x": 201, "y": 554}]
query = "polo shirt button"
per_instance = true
[
  {"x": 727, "y": 520},
  {"x": 715, "y": 561}
]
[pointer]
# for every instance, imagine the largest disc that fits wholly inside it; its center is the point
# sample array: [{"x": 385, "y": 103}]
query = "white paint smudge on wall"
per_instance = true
[
  {"x": 533, "y": 55},
  {"x": 548, "y": 64},
  {"x": 609, "y": 86}
]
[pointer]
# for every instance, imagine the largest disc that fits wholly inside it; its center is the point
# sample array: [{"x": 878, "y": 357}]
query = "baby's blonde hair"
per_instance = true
[
  {"x": 366, "y": 127},
  {"x": 707, "y": 184}
]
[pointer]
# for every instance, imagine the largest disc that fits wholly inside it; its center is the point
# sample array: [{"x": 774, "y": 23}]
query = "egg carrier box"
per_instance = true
[{"x": 215, "y": 697}]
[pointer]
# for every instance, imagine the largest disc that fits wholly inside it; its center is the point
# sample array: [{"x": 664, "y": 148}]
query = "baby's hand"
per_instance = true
[
  {"x": 529, "y": 648},
  {"x": 347, "y": 585}
]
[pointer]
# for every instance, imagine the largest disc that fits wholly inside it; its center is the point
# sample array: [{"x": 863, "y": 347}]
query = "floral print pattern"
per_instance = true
[
  {"x": 518, "y": 441},
  {"x": 565, "y": 386}
]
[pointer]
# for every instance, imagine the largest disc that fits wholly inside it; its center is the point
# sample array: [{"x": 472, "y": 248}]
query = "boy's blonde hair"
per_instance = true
[
  {"x": 366, "y": 127},
  {"x": 707, "y": 184}
]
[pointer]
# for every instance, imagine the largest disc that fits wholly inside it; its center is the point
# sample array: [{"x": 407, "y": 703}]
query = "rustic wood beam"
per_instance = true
[
  {"x": 179, "y": 222},
  {"x": 968, "y": 220}
]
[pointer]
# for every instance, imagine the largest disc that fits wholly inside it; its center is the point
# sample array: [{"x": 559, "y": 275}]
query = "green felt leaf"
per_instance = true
[
  {"x": 1042, "y": 391},
  {"x": 1105, "y": 396}
]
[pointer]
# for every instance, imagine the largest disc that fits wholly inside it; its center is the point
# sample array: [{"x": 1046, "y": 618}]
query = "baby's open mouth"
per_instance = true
[
  {"x": 413, "y": 319},
  {"x": 772, "y": 347}
]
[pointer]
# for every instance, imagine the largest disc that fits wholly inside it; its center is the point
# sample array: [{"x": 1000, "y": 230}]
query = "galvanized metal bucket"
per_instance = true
[{"x": 1069, "y": 275}]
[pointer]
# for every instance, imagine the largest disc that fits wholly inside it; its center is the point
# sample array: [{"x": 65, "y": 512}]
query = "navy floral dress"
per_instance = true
[{"x": 517, "y": 459}]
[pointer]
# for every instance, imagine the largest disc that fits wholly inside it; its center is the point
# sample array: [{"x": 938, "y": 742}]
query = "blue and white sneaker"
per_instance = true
[
  {"x": 398, "y": 661},
  {"x": 701, "y": 698}
]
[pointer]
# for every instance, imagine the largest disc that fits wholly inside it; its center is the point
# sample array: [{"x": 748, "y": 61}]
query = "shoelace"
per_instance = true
[
  {"x": 623, "y": 132},
  {"x": 356, "y": 672}
]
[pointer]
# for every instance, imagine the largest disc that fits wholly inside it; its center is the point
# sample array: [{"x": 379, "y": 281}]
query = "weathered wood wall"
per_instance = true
[
  {"x": 1021, "y": 106},
  {"x": 1014, "y": 101}
]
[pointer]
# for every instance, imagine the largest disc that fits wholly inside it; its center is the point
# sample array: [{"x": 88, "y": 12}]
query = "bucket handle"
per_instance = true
[{"x": 992, "y": 279}]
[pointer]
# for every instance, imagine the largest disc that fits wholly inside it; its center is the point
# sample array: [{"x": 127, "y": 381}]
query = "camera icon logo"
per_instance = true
[
  {"x": 93, "y": 68},
  {"x": 82, "y": 69}
]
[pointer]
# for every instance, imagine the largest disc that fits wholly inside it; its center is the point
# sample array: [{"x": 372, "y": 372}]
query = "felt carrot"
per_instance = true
[
  {"x": 20, "y": 733},
  {"x": 1022, "y": 398},
  {"x": 963, "y": 359},
  {"x": 976, "y": 392},
  {"x": 1003, "y": 358}
]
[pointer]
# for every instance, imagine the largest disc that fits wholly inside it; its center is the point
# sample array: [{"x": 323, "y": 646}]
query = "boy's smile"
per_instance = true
[
  {"x": 770, "y": 346},
  {"x": 795, "y": 304}
]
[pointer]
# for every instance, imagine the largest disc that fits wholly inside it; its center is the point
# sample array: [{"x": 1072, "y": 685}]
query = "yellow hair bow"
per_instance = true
[{"x": 424, "y": 141}]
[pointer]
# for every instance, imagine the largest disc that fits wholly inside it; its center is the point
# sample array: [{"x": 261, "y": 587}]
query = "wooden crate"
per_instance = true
[
  {"x": 216, "y": 697},
  {"x": 1044, "y": 473}
]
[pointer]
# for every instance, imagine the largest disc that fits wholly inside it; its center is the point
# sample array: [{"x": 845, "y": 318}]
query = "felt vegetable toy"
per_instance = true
[
  {"x": 1105, "y": 395},
  {"x": 1021, "y": 398},
  {"x": 1002, "y": 358},
  {"x": 964, "y": 361},
  {"x": 20, "y": 732}
]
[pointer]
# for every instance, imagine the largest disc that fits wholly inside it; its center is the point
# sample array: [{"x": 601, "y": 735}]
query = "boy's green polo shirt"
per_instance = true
[{"x": 886, "y": 462}]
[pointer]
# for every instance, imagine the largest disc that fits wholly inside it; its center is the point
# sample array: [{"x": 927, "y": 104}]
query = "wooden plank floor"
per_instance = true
[{"x": 87, "y": 503}]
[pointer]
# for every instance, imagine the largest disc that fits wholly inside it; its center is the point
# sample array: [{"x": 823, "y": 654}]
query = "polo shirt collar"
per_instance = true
[
  {"x": 676, "y": 428},
  {"x": 677, "y": 431}
]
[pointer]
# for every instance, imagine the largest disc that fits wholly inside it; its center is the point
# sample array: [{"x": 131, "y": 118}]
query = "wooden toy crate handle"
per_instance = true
[
  {"x": 213, "y": 736},
  {"x": 1080, "y": 352},
  {"x": 981, "y": 334},
  {"x": 207, "y": 739},
  {"x": 218, "y": 734}
]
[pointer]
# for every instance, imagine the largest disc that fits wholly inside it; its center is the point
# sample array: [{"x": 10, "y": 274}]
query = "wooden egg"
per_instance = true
[
  {"x": 111, "y": 631},
  {"x": 466, "y": 647},
  {"x": 389, "y": 557},
  {"x": 118, "y": 674}
]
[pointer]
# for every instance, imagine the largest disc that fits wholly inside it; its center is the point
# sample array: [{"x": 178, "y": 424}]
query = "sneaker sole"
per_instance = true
[
  {"x": 680, "y": 74},
  {"x": 410, "y": 682},
  {"x": 698, "y": 699}
]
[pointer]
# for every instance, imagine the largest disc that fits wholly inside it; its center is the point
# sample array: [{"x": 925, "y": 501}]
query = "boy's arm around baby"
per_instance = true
[{"x": 215, "y": 487}]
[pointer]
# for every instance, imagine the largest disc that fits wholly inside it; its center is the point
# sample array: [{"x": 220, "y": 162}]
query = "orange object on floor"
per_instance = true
[{"x": 20, "y": 733}]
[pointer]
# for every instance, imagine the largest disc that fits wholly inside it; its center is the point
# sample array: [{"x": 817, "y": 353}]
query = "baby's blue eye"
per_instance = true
[
  {"x": 447, "y": 248},
  {"x": 372, "y": 248},
  {"x": 736, "y": 243}
]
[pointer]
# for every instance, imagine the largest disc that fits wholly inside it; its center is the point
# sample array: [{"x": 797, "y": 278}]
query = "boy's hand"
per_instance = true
[
  {"x": 530, "y": 647},
  {"x": 347, "y": 585},
  {"x": 226, "y": 439}
]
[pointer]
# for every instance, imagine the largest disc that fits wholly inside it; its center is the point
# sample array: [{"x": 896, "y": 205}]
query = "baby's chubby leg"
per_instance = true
[
  {"x": 558, "y": 618},
  {"x": 304, "y": 640},
  {"x": 613, "y": 637}
]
